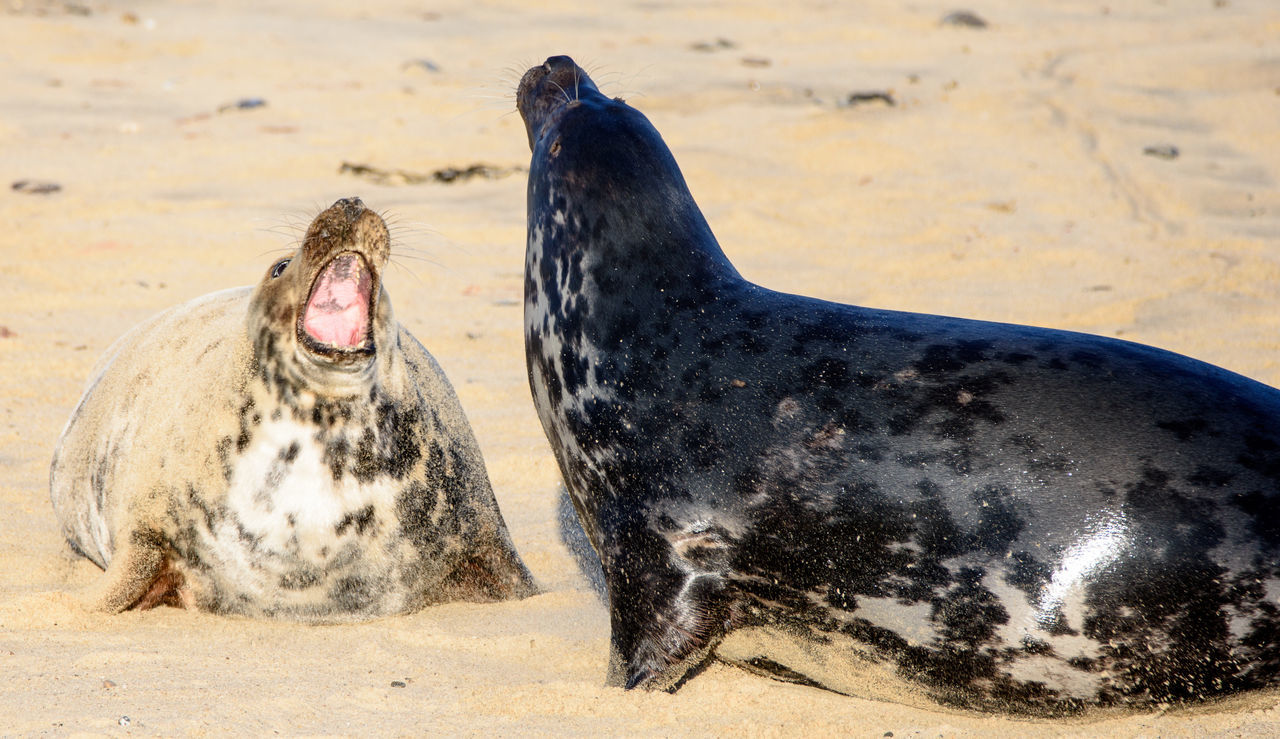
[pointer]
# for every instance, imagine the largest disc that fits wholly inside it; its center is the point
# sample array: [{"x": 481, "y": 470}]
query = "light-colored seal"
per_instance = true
[
  {"x": 1000, "y": 517},
  {"x": 285, "y": 451}
]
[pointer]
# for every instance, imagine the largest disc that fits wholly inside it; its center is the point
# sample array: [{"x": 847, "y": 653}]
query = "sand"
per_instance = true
[{"x": 1008, "y": 181}]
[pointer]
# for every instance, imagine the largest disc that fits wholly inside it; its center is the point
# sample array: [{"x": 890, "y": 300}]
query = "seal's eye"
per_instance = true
[{"x": 278, "y": 270}]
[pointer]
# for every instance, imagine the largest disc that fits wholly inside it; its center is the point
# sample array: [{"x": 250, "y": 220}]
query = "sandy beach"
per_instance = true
[{"x": 1108, "y": 167}]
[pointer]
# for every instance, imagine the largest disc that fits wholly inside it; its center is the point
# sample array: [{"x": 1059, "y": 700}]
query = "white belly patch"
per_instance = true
[{"x": 289, "y": 523}]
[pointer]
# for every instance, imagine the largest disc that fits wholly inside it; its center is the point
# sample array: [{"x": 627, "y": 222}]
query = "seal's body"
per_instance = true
[
  {"x": 1010, "y": 518},
  {"x": 286, "y": 451}
]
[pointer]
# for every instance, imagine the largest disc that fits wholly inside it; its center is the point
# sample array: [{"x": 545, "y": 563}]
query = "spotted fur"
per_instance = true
[
  {"x": 223, "y": 458},
  {"x": 1002, "y": 517}
]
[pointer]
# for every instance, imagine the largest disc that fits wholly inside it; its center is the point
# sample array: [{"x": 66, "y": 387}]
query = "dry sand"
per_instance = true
[{"x": 1009, "y": 182}]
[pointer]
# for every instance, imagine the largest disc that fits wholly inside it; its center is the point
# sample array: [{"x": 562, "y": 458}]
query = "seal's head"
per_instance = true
[
  {"x": 550, "y": 89},
  {"x": 605, "y": 194},
  {"x": 576, "y": 131},
  {"x": 319, "y": 315}
]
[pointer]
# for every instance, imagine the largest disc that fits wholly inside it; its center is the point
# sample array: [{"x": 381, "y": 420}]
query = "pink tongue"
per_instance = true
[{"x": 338, "y": 311}]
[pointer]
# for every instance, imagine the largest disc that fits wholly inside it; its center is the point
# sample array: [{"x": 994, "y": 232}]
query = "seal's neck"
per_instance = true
[
  {"x": 609, "y": 208},
  {"x": 286, "y": 371}
]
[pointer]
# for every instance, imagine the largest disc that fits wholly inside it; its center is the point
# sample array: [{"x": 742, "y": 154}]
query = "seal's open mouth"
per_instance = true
[{"x": 337, "y": 314}]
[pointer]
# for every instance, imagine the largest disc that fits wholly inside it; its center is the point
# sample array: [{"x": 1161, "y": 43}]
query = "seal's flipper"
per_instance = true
[
  {"x": 137, "y": 569},
  {"x": 654, "y": 645},
  {"x": 492, "y": 573}
]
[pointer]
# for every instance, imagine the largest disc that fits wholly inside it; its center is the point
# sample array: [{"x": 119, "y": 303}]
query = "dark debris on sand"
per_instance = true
[
  {"x": 243, "y": 104},
  {"x": 35, "y": 187},
  {"x": 1162, "y": 151},
  {"x": 963, "y": 19},
  {"x": 870, "y": 96},
  {"x": 718, "y": 45},
  {"x": 47, "y": 8},
  {"x": 446, "y": 175}
]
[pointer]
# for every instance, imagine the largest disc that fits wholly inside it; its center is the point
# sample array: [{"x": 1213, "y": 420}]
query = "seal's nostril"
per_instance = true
[{"x": 351, "y": 207}]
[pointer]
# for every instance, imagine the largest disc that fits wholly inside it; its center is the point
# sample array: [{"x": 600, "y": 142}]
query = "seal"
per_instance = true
[
  {"x": 882, "y": 503},
  {"x": 285, "y": 451}
]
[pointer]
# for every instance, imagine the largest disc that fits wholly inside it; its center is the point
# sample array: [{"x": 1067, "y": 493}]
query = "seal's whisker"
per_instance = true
[
  {"x": 398, "y": 243},
  {"x": 396, "y": 263},
  {"x": 410, "y": 227},
  {"x": 500, "y": 107},
  {"x": 397, "y": 221},
  {"x": 297, "y": 220},
  {"x": 509, "y": 76},
  {"x": 625, "y": 83},
  {"x": 503, "y": 97},
  {"x": 605, "y": 80},
  {"x": 499, "y": 94},
  {"x": 283, "y": 231},
  {"x": 295, "y": 225},
  {"x": 413, "y": 228},
  {"x": 516, "y": 69},
  {"x": 416, "y": 258},
  {"x": 275, "y": 252},
  {"x": 445, "y": 244},
  {"x": 595, "y": 72},
  {"x": 292, "y": 230},
  {"x": 487, "y": 106},
  {"x": 508, "y": 83},
  {"x": 401, "y": 236},
  {"x": 567, "y": 99},
  {"x": 500, "y": 89}
]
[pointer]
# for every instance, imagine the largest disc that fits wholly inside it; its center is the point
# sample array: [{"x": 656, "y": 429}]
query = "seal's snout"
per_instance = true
[
  {"x": 348, "y": 225},
  {"x": 554, "y": 63},
  {"x": 548, "y": 89},
  {"x": 350, "y": 207},
  {"x": 344, "y": 252}
]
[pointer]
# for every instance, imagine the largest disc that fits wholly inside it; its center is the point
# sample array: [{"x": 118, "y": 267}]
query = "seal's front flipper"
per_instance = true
[
  {"x": 655, "y": 645},
  {"x": 666, "y": 622},
  {"x": 493, "y": 573},
  {"x": 137, "y": 575}
]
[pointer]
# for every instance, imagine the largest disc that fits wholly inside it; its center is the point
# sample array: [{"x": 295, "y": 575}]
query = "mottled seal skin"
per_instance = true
[
  {"x": 993, "y": 516},
  {"x": 286, "y": 451}
]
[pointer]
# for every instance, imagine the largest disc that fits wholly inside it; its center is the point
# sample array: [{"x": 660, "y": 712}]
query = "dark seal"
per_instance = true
[
  {"x": 994, "y": 516},
  {"x": 287, "y": 451}
]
